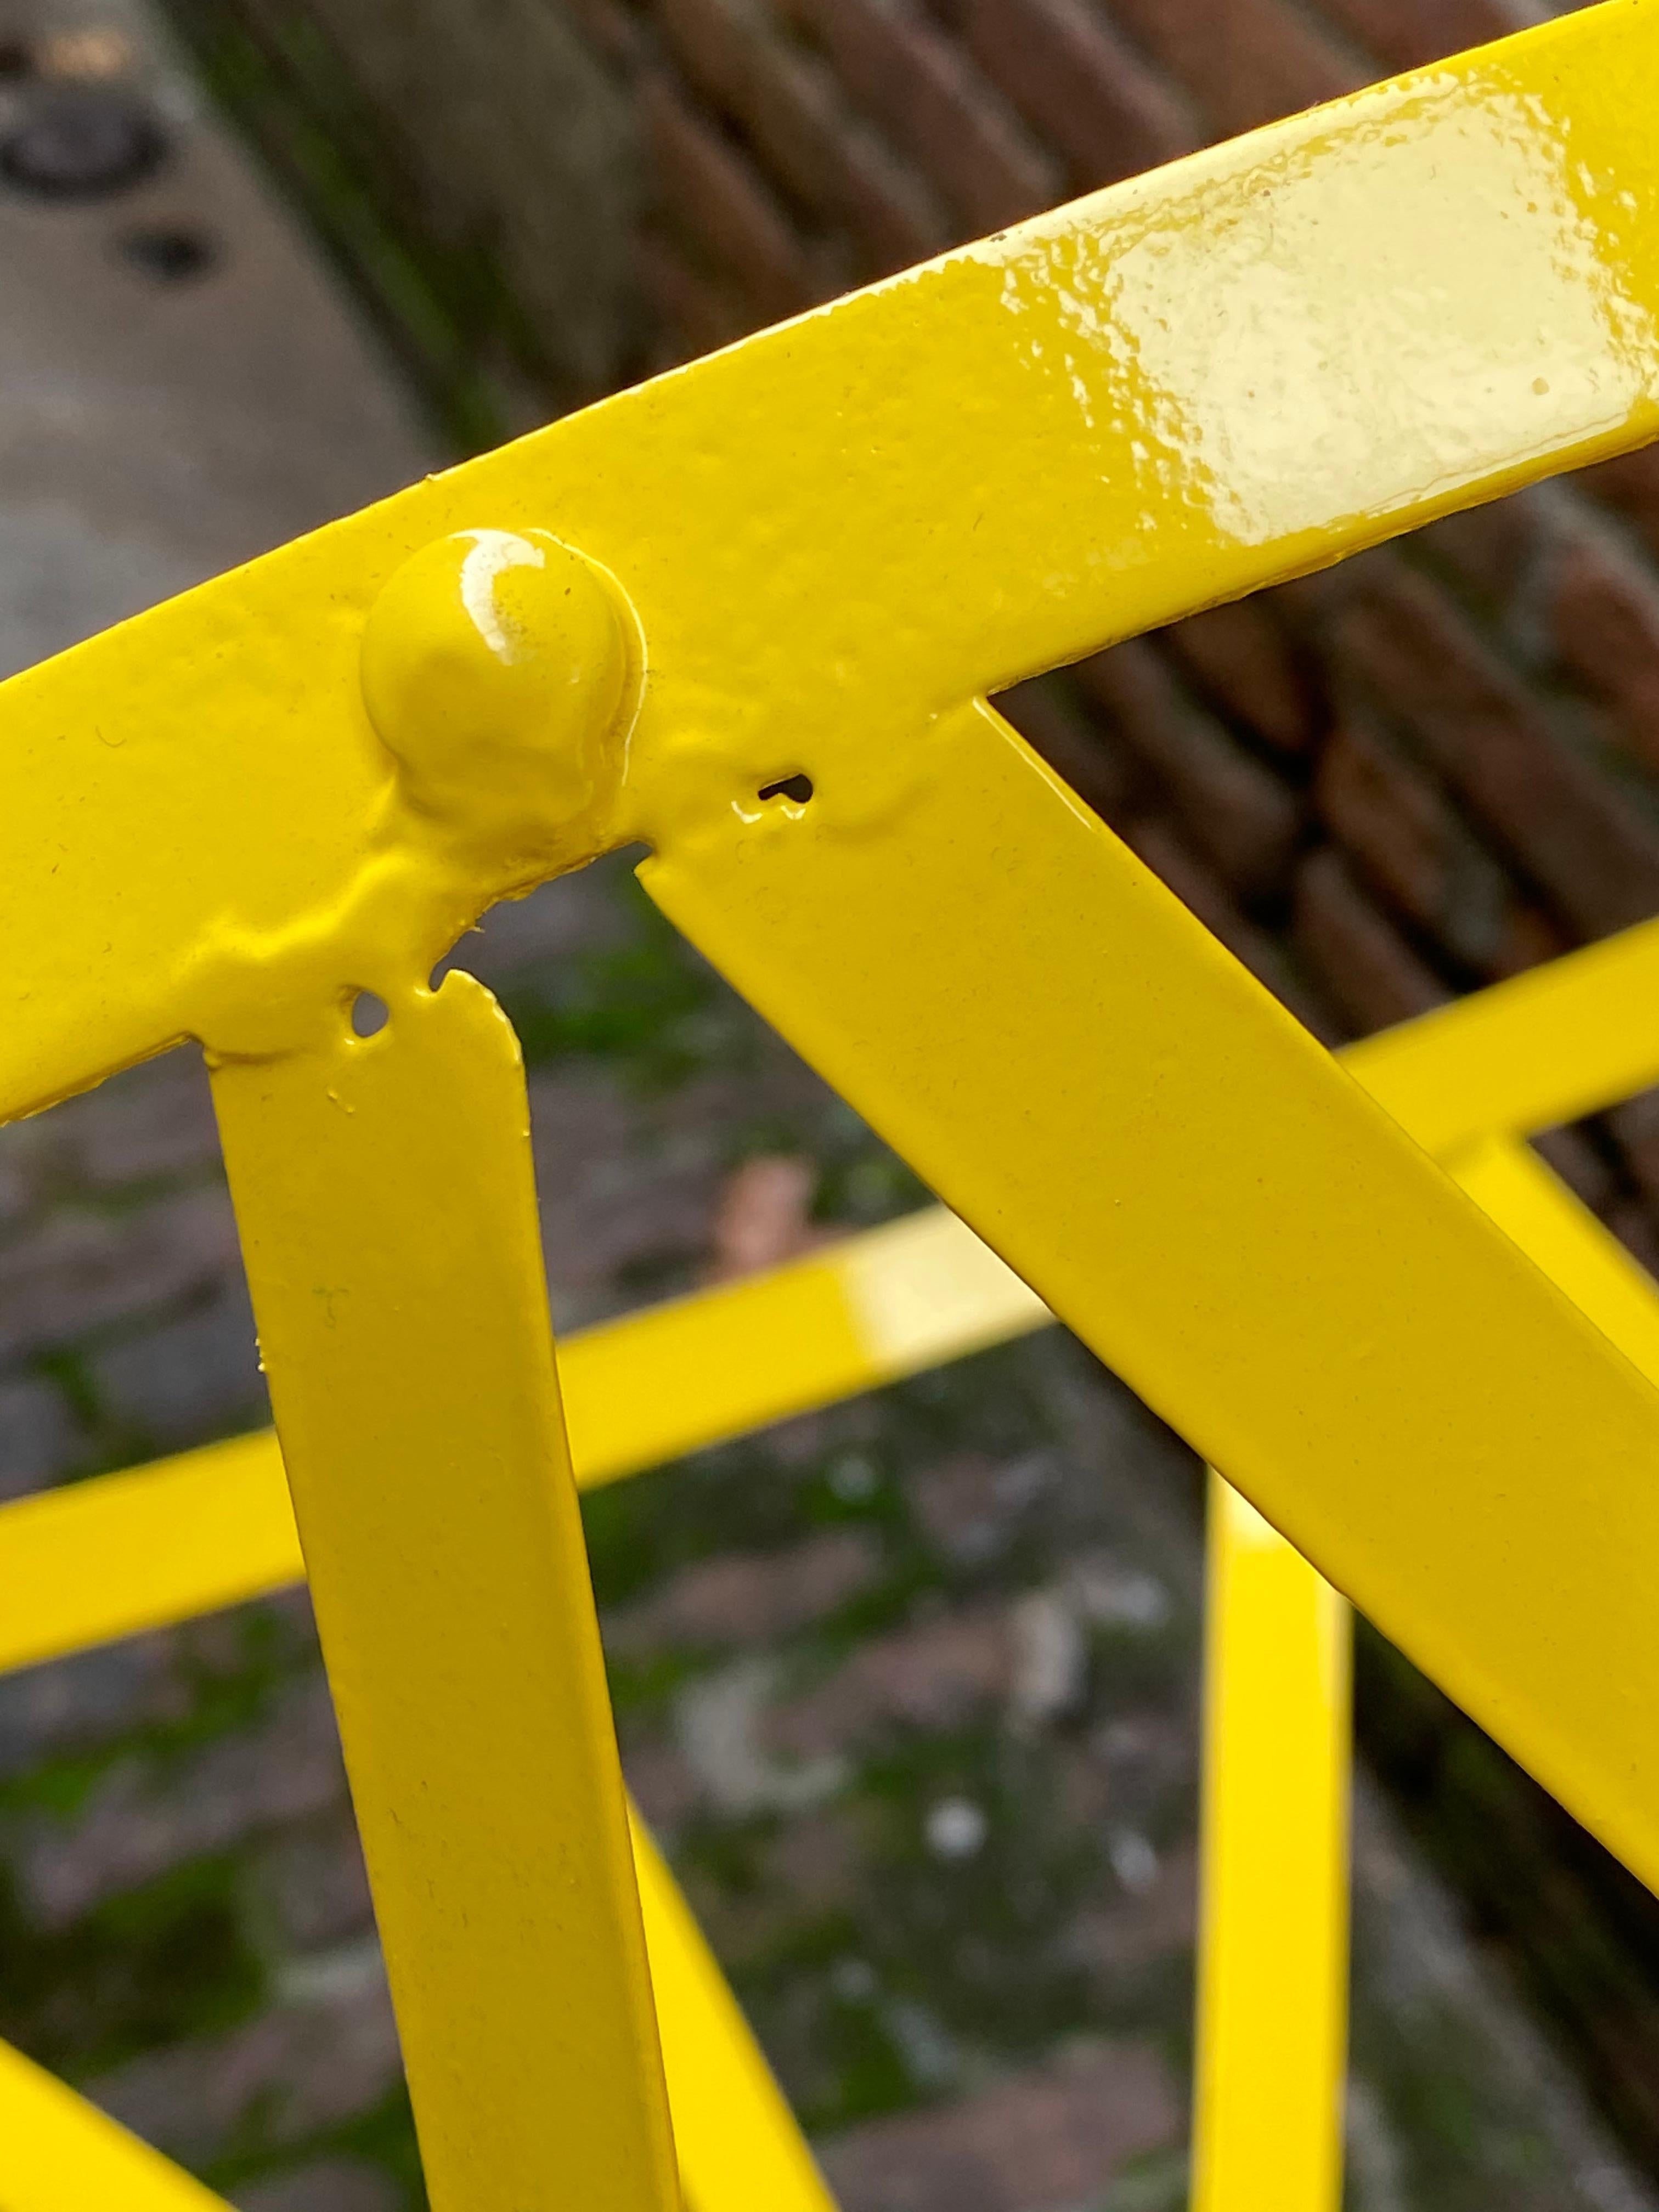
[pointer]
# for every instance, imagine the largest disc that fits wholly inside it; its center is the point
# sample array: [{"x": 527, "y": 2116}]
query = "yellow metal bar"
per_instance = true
[
  {"x": 125, "y": 1553},
  {"x": 1271, "y": 2025},
  {"x": 1272, "y": 1944},
  {"x": 740, "y": 2148},
  {"x": 738, "y": 2145},
  {"x": 215, "y": 1525},
  {"x": 892, "y": 1302},
  {"x": 1508, "y": 1182},
  {"x": 1156, "y": 1147},
  {"x": 1242, "y": 366},
  {"x": 384, "y": 1196},
  {"x": 60, "y": 2153},
  {"x": 1559, "y": 1041}
]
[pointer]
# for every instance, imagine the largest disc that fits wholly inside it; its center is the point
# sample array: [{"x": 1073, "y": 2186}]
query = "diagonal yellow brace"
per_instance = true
[
  {"x": 1078, "y": 1069},
  {"x": 383, "y": 1192},
  {"x": 59, "y": 2154},
  {"x": 740, "y": 2147},
  {"x": 1272, "y": 1944},
  {"x": 1271, "y": 2037}
]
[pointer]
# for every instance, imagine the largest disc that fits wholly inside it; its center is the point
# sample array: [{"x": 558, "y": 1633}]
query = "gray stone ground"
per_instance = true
[{"x": 908, "y": 1688}]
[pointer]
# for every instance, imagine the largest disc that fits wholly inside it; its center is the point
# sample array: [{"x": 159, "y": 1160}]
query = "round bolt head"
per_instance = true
[{"x": 494, "y": 668}]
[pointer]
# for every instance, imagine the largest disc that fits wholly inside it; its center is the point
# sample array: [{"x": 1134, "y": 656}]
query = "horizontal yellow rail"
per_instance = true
[{"x": 121, "y": 1553}]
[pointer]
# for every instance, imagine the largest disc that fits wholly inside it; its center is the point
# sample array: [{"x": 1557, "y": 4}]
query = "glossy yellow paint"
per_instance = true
[
  {"x": 809, "y": 557},
  {"x": 59, "y": 2154},
  {"x": 1271, "y": 2039},
  {"x": 1154, "y": 1146},
  {"x": 1244, "y": 366},
  {"x": 388, "y": 1210}
]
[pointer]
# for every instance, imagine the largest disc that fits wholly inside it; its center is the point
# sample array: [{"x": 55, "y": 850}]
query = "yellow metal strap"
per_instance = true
[
  {"x": 214, "y": 1526},
  {"x": 101, "y": 1558},
  {"x": 59, "y": 2154},
  {"x": 388, "y": 1210},
  {"x": 1274, "y": 1913},
  {"x": 1271, "y": 2038},
  {"x": 1157, "y": 1148}
]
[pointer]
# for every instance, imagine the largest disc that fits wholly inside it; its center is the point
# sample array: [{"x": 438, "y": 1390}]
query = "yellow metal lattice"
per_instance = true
[{"x": 748, "y": 614}]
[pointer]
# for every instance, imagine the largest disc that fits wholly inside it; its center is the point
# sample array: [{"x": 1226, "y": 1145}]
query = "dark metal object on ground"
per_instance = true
[{"x": 81, "y": 142}]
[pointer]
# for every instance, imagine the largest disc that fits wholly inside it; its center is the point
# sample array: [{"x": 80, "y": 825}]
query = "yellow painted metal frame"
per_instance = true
[
  {"x": 748, "y": 614},
  {"x": 159, "y": 1545}
]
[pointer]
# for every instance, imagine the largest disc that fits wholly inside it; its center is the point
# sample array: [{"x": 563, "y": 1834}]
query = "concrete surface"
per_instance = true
[{"x": 153, "y": 431}]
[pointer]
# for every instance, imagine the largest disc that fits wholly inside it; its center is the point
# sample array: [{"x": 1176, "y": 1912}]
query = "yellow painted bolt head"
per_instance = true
[{"x": 494, "y": 664}]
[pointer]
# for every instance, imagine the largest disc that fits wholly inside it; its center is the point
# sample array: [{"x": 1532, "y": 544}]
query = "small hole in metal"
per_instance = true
[
  {"x": 798, "y": 787},
  {"x": 368, "y": 1013}
]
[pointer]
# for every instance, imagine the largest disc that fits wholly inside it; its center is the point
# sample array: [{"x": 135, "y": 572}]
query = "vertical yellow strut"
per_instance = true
[
  {"x": 1272, "y": 2031},
  {"x": 383, "y": 1191}
]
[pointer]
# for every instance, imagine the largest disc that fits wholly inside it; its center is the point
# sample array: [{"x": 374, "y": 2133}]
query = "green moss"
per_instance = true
[{"x": 162, "y": 1963}]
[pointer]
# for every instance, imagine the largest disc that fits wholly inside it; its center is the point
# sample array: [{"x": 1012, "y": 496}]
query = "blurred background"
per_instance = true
[{"x": 908, "y": 1689}]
